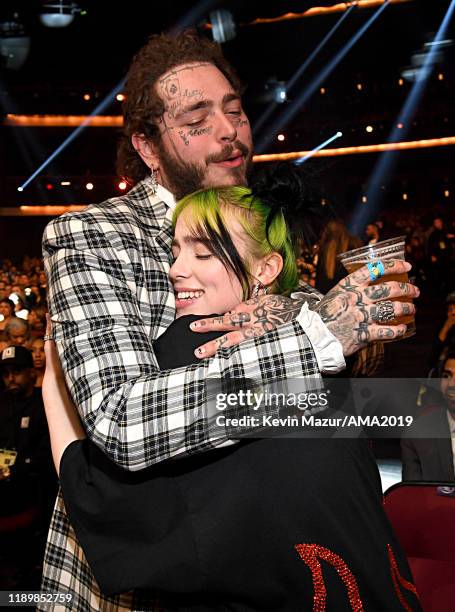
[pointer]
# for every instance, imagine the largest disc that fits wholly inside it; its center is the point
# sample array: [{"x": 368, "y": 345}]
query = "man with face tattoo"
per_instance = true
[{"x": 110, "y": 296}]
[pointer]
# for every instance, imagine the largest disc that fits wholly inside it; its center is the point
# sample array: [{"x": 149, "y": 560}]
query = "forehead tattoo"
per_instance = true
[{"x": 170, "y": 83}]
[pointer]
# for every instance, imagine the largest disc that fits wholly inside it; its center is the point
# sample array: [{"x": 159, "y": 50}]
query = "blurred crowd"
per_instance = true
[{"x": 28, "y": 482}]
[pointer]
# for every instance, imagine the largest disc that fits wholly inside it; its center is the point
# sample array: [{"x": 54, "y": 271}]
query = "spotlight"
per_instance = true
[
  {"x": 122, "y": 185},
  {"x": 89, "y": 186},
  {"x": 280, "y": 94},
  {"x": 424, "y": 60},
  {"x": 86, "y": 97},
  {"x": 369, "y": 128},
  {"x": 322, "y": 91},
  {"x": 281, "y": 137},
  {"x": 14, "y": 44},
  {"x": 275, "y": 91},
  {"x": 49, "y": 186},
  {"x": 59, "y": 13},
  {"x": 120, "y": 97},
  {"x": 223, "y": 25}
]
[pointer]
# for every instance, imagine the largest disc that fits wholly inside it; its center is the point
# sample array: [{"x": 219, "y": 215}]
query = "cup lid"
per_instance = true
[{"x": 382, "y": 246}]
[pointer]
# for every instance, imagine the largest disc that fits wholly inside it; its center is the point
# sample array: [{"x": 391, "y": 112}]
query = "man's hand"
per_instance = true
[
  {"x": 350, "y": 309},
  {"x": 249, "y": 319}
]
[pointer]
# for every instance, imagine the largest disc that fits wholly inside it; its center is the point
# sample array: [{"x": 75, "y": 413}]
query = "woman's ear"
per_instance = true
[
  {"x": 269, "y": 268},
  {"x": 146, "y": 150}
]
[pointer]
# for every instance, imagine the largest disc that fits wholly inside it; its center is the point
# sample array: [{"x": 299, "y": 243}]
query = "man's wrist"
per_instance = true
[{"x": 328, "y": 350}]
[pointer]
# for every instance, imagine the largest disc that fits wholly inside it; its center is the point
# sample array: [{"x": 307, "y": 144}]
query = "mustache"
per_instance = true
[{"x": 227, "y": 151}]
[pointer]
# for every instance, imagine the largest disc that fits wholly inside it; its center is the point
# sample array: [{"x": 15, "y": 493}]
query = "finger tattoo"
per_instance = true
[{"x": 239, "y": 318}]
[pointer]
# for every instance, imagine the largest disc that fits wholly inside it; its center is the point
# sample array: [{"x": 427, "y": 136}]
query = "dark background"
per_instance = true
[{"x": 92, "y": 55}]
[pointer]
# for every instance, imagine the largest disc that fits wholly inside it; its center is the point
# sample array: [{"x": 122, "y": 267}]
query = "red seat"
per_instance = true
[
  {"x": 18, "y": 521},
  {"x": 423, "y": 517}
]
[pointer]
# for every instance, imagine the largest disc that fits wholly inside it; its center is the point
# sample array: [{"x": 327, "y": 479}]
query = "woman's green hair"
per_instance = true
[{"x": 266, "y": 232}]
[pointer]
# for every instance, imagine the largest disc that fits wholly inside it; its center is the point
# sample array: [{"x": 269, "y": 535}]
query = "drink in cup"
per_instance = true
[{"x": 384, "y": 250}]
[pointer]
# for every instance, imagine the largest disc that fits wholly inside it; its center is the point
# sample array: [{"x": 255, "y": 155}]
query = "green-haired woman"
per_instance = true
[{"x": 267, "y": 524}]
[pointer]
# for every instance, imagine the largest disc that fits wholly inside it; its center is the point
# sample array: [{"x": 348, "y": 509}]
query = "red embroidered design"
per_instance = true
[
  {"x": 309, "y": 553},
  {"x": 398, "y": 579}
]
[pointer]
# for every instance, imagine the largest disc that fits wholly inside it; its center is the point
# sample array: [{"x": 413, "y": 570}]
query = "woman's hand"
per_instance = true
[{"x": 61, "y": 413}]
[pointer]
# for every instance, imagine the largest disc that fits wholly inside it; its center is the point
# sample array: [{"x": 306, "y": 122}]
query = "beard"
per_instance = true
[{"x": 185, "y": 177}]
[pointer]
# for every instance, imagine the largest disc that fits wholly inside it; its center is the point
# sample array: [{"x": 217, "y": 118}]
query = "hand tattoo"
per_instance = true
[
  {"x": 377, "y": 292},
  {"x": 275, "y": 310}
]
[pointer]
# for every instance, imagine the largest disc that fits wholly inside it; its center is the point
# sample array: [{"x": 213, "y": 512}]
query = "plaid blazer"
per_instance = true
[{"x": 109, "y": 298}]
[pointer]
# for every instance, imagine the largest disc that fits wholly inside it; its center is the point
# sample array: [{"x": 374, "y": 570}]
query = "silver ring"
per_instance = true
[
  {"x": 48, "y": 337},
  {"x": 385, "y": 311}
]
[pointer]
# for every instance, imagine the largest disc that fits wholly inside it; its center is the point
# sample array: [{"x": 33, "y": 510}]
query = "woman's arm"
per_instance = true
[{"x": 62, "y": 417}]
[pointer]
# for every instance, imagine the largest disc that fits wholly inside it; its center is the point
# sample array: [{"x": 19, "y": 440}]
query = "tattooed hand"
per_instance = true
[
  {"x": 350, "y": 312},
  {"x": 250, "y": 319}
]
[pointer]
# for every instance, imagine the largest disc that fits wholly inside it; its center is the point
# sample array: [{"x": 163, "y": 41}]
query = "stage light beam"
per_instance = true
[
  {"x": 75, "y": 133},
  {"x": 383, "y": 167},
  {"x": 268, "y": 112},
  {"x": 289, "y": 113},
  {"x": 189, "y": 18},
  {"x": 303, "y": 159}
]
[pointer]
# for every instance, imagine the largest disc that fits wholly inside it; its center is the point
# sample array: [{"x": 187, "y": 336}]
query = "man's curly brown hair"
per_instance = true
[{"x": 143, "y": 106}]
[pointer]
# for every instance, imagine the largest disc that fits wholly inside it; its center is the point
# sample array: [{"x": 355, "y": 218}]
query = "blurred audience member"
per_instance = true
[
  {"x": 36, "y": 297},
  {"x": 17, "y": 332},
  {"x": 415, "y": 254},
  {"x": 430, "y": 454},
  {"x": 39, "y": 360},
  {"x": 335, "y": 239},
  {"x": 42, "y": 284},
  {"x": 3, "y": 293},
  {"x": 7, "y": 314},
  {"x": 445, "y": 340},
  {"x": 21, "y": 309},
  {"x": 37, "y": 321},
  {"x": 438, "y": 249},
  {"x": 372, "y": 233},
  {"x": 27, "y": 481}
]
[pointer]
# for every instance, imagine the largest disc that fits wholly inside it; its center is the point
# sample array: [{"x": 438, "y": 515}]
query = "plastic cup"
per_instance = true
[{"x": 394, "y": 248}]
